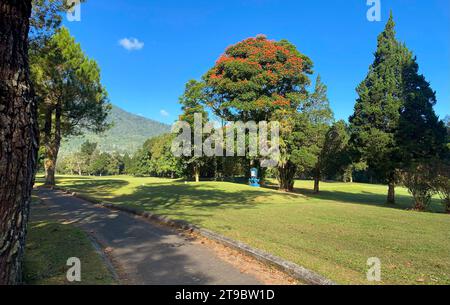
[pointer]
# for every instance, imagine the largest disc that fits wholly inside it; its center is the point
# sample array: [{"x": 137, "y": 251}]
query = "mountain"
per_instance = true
[{"x": 128, "y": 133}]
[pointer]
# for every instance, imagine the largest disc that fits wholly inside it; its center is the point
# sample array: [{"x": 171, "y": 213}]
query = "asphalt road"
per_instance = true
[{"x": 146, "y": 253}]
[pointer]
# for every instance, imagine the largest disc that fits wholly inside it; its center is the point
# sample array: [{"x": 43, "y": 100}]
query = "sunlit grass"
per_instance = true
[
  {"x": 48, "y": 247},
  {"x": 333, "y": 233}
]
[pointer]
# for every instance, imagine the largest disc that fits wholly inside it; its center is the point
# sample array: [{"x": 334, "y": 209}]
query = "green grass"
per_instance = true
[
  {"x": 48, "y": 247},
  {"x": 333, "y": 233}
]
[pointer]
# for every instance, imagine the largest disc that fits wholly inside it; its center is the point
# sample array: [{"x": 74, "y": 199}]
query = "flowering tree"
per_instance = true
[
  {"x": 255, "y": 77},
  {"x": 262, "y": 80}
]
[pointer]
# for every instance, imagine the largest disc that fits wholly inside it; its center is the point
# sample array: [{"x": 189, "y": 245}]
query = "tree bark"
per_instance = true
[
  {"x": 18, "y": 137},
  {"x": 286, "y": 174}
]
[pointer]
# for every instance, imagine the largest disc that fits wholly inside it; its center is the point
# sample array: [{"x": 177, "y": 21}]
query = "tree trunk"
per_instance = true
[
  {"x": 316, "y": 181},
  {"x": 52, "y": 143},
  {"x": 197, "y": 173},
  {"x": 391, "y": 193},
  {"x": 316, "y": 185},
  {"x": 286, "y": 174},
  {"x": 18, "y": 137}
]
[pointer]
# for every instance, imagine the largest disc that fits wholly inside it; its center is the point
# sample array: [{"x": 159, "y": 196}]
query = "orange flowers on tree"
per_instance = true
[{"x": 257, "y": 76}]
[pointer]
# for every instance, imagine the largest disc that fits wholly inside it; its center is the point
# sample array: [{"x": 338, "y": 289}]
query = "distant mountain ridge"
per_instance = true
[{"x": 127, "y": 135}]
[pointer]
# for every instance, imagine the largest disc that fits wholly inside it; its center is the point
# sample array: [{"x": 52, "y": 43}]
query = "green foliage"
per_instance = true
[
  {"x": 100, "y": 164},
  {"x": 46, "y": 18},
  {"x": 441, "y": 182},
  {"x": 420, "y": 181},
  {"x": 87, "y": 149},
  {"x": 303, "y": 135},
  {"x": 421, "y": 136},
  {"x": 335, "y": 152},
  {"x": 91, "y": 161},
  {"x": 116, "y": 164},
  {"x": 192, "y": 102},
  {"x": 65, "y": 75},
  {"x": 155, "y": 158},
  {"x": 320, "y": 116}
]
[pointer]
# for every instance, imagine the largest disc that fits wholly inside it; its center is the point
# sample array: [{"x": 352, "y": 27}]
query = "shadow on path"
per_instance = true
[{"x": 148, "y": 254}]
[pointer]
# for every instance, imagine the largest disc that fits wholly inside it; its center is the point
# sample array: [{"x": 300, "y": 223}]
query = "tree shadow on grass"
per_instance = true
[
  {"x": 191, "y": 201},
  {"x": 403, "y": 202},
  {"x": 99, "y": 187}
]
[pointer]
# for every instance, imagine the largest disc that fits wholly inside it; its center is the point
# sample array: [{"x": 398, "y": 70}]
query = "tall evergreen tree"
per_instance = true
[
  {"x": 422, "y": 139},
  {"x": 375, "y": 121},
  {"x": 320, "y": 117}
]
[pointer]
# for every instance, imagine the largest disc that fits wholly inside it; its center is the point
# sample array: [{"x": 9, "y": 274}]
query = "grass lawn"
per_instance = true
[
  {"x": 48, "y": 247},
  {"x": 333, "y": 233}
]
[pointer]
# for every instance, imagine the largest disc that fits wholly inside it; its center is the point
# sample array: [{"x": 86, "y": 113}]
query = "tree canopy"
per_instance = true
[{"x": 255, "y": 77}]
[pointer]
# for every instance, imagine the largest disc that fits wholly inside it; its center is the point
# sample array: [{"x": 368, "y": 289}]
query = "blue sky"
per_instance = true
[{"x": 177, "y": 40}]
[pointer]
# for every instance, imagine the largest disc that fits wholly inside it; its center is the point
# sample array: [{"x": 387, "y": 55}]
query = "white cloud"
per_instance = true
[
  {"x": 131, "y": 44},
  {"x": 164, "y": 113}
]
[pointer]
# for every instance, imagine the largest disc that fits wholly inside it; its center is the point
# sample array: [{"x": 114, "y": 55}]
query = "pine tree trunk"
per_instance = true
[
  {"x": 18, "y": 137},
  {"x": 391, "y": 193},
  {"x": 50, "y": 168},
  {"x": 52, "y": 144}
]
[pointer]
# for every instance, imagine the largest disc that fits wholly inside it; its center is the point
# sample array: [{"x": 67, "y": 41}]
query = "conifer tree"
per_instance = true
[{"x": 375, "y": 121}]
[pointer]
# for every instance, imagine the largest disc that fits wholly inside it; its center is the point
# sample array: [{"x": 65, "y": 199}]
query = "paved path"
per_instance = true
[{"x": 146, "y": 253}]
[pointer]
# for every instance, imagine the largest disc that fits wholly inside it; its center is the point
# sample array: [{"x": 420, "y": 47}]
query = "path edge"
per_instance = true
[{"x": 296, "y": 271}]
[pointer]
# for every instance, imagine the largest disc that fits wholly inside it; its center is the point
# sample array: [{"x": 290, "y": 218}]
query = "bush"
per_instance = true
[
  {"x": 442, "y": 185},
  {"x": 421, "y": 185}
]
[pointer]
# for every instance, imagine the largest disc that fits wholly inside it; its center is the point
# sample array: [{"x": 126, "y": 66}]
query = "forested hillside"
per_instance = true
[{"x": 128, "y": 133}]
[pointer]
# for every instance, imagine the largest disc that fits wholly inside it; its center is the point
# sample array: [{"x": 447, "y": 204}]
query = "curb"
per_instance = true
[{"x": 296, "y": 271}]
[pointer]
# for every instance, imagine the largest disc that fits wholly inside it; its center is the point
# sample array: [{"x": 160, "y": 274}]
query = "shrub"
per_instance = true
[
  {"x": 441, "y": 184},
  {"x": 421, "y": 185}
]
